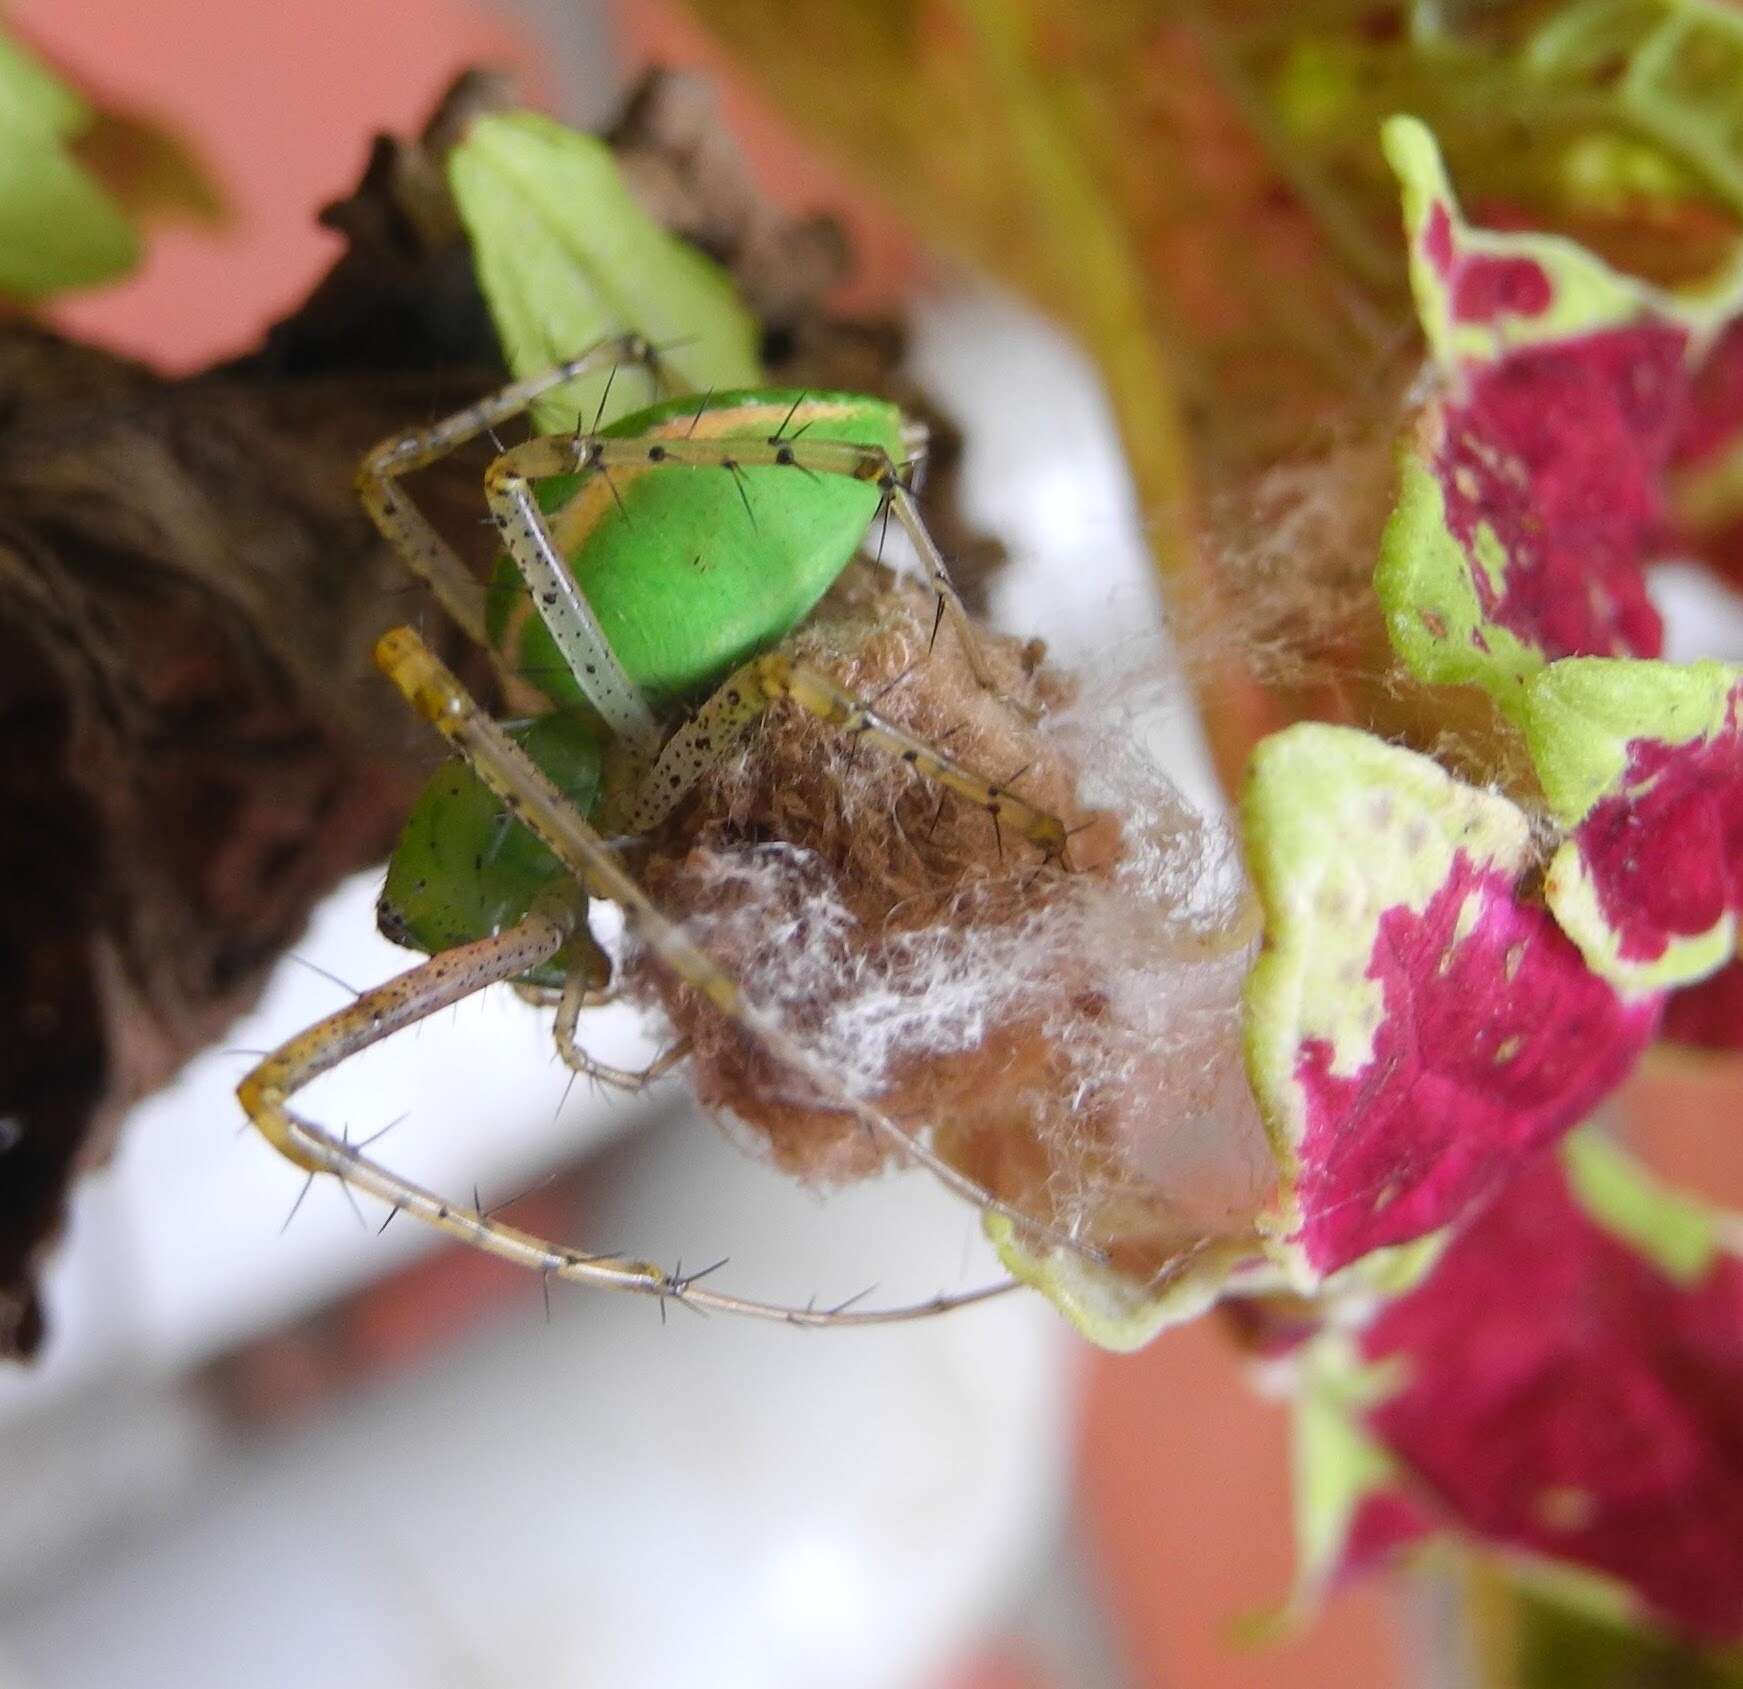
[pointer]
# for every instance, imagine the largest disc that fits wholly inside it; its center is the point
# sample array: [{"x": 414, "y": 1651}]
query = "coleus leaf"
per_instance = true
[
  {"x": 1533, "y": 479},
  {"x": 567, "y": 258},
  {"x": 1567, "y": 1386},
  {"x": 1683, "y": 81},
  {"x": 1113, "y": 1312},
  {"x": 1705, "y": 483},
  {"x": 1621, "y": 112},
  {"x": 1415, "y": 1028},
  {"x": 58, "y": 229},
  {"x": 1642, "y": 762},
  {"x": 1239, "y": 1272},
  {"x": 1708, "y": 1016},
  {"x": 1352, "y": 1513}
]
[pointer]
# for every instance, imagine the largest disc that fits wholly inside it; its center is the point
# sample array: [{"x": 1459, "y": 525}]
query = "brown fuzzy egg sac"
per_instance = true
[{"x": 1067, "y": 1036}]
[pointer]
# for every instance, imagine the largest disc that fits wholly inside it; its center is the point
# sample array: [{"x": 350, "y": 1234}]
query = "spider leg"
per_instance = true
[
  {"x": 578, "y": 994},
  {"x": 423, "y": 991},
  {"x": 750, "y": 690},
  {"x": 408, "y": 530},
  {"x": 587, "y": 985},
  {"x": 435, "y": 693}
]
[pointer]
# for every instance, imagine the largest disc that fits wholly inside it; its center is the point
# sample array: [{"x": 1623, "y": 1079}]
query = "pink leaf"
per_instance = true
[
  {"x": 1568, "y": 1394},
  {"x": 1709, "y": 1015},
  {"x": 1551, "y": 469},
  {"x": 1494, "y": 1044},
  {"x": 1534, "y": 487},
  {"x": 1416, "y": 1029},
  {"x": 1642, "y": 762}
]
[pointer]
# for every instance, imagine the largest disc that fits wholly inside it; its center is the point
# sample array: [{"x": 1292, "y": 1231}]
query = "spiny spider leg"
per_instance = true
[
  {"x": 578, "y": 994},
  {"x": 407, "y": 529},
  {"x": 508, "y": 487},
  {"x": 438, "y": 696},
  {"x": 426, "y": 990},
  {"x": 748, "y": 691},
  {"x": 587, "y": 985}
]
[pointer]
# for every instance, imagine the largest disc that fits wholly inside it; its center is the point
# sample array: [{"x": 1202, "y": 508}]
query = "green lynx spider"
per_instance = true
[{"x": 683, "y": 544}]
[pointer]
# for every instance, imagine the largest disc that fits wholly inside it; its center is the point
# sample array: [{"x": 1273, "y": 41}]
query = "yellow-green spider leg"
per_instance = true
[
  {"x": 750, "y": 690},
  {"x": 426, "y": 990},
  {"x": 578, "y": 993},
  {"x": 508, "y": 485},
  {"x": 587, "y": 985},
  {"x": 408, "y": 530}
]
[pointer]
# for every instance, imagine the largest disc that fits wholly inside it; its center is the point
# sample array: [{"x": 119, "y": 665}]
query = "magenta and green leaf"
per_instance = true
[
  {"x": 1415, "y": 1027},
  {"x": 1567, "y": 1387},
  {"x": 1533, "y": 480},
  {"x": 1705, "y": 485},
  {"x": 1708, "y": 1015},
  {"x": 1642, "y": 765}
]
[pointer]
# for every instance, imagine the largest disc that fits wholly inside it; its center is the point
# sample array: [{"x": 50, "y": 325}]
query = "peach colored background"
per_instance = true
[{"x": 282, "y": 100}]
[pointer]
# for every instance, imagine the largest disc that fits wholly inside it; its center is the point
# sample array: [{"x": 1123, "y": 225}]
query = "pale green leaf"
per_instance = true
[
  {"x": 566, "y": 258},
  {"x": 58, "y": 229}
]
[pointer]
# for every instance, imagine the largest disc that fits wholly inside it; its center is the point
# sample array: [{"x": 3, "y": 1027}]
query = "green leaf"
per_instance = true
[
  {"x": 567, "y": 258},
  {"x": 1681, "y": 79},
  {"x": 1558, "y": 1638},
  {"x": 34, "y": 99},
  {"x": 58, "y": 229},
  {"x": 1335, "y": 1464},
  {"x": 1673, "y": 1231}
]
